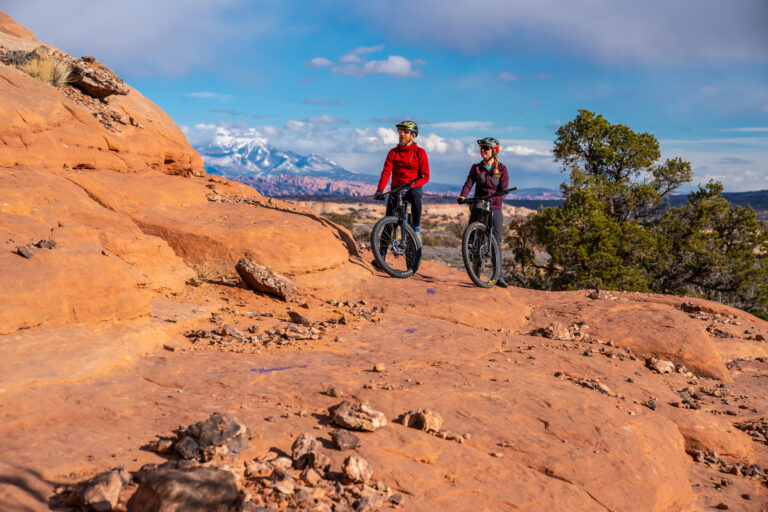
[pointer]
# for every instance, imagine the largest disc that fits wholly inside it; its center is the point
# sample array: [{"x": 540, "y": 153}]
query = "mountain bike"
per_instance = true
[
  {"x": 395, "y": 245},
  {"x": 479, "y": 249}
]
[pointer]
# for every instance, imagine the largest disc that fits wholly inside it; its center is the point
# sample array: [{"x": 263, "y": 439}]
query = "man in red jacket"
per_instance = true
[{"x": 405, "y": 162}]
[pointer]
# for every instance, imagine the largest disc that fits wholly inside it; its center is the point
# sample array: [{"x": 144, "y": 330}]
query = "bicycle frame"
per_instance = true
[{"x": 401, "y": 206}]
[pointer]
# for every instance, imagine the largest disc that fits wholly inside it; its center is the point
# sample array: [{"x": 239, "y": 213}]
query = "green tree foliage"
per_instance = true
[{"x": 615, "y": 231}]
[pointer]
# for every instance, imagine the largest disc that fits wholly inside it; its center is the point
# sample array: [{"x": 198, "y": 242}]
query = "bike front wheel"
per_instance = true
[
  {"x": 395, "y": 247},
  {"x": 482, "y": 258}
]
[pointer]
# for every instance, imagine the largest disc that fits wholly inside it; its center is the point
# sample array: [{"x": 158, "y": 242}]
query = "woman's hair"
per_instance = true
[{"x": 495, "y": 161}]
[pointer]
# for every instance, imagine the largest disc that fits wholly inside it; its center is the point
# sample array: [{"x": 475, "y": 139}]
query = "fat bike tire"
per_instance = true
[
  {"x": 482, "y": 267},
  {"x": 396, "y": 247}
]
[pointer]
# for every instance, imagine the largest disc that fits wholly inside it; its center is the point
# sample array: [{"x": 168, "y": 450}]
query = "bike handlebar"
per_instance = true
[
  {"x": 497, "y": 194},
  {"x": 401, "y": 187}
]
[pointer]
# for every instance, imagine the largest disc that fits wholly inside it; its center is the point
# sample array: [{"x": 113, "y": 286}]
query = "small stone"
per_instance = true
[
  {"x": 746, "y": 496},
  {"x": 264, "y": 280},
  {"x": 603, "y": 388},
  {"x": 496, "y": 454},
  {"x": 759, "y": 337},
  {"x": 722, "y": 506},
  {"x": 100, "y": 492},
  {"x": 161, "y": 446},
  {"x": 282, "y": 463},
  {"x": 195, "y": 489},
  {"x": 311, "y": 477},
  {"x": 24, "y": 251},
  {"x": 379, "y": 367},
  {"x": 660, "y": 366},
  {"x": 298, "y": 318},
  {"x": 423, "y": 419},
  {"x": 228, "y": 330},
  {"x": 334, "y": 392},
  {"x": 46, "y": 244},
  {"x": 254, "y": 468},
  {"x": 344, "y": 440},
  {"x": 396, "y": 499},
  {"x": 357, "y": 417},
  {"x": 286, "y": 486},
  {"x": 357, "y": 469},
  {"x": 651, "y": 404},
  {"x": 302, "y": 447},
  {"x": 169, "y": 348}
]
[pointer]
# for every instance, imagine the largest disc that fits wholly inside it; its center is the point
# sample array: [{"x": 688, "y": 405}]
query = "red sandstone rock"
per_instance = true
[{"x": 10, "y": 27}]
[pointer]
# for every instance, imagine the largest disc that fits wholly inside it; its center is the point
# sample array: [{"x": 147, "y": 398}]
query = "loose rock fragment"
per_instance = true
[
  {"x": 220, "y": 434},
  {"x": 357, "y": 417},
  {"x": 423, "y": 419},
  {"x": 24, "y": 251},
  {"x": 356, "y": 469},
  {"x": 208, "y": 489},
  {"x": 344, "y": 440},
  {"x": 100, "y": 493},
  {"x": 300, "y": 319},
  {"x": 263, "y": 279},
  {"x": 46, "y": 244},
  {"x": 303, "y": 448},
  {"x": 660, "y": 366}
]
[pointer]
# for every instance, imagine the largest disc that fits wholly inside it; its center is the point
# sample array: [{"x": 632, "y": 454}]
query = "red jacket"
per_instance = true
[{"x": 404, "y": 163}]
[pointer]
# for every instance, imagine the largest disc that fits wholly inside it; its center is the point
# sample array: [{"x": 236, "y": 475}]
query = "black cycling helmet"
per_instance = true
[
  {"x": 409, "y": 126},
  {"x": 492, "y": 142}
]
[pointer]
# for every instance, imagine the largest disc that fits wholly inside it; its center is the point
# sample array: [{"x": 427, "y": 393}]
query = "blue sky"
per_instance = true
[{"x": 331, "y": 77}]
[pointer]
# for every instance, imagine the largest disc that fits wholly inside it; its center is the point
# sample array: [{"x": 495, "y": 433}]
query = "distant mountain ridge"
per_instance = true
[{"x": 280, "y": 173}]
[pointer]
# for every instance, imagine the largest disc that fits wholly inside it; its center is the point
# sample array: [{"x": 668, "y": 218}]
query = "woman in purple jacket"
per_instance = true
[{"x": 489, "y": 176}]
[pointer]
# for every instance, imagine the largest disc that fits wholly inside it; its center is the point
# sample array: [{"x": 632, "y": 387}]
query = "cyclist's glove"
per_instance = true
[
  {"x": 379, "y": 195},
  {"x": 460, "y": 199}
]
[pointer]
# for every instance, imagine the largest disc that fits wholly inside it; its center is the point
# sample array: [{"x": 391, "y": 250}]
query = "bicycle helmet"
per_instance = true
[
  {"x": 490, "y": 141},
  {"x": 409, "y": 126}
]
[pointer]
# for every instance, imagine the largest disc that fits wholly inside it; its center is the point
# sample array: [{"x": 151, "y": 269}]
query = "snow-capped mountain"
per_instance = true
[{"x": 252, "y": 157}]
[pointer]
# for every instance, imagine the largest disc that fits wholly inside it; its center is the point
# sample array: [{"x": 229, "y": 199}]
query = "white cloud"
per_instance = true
[
  {"x": 517, "y": 149},
  {"x": 508, "y": 77},
  {"x": 326, "y": 119},
  {"x": 294, "y": 125},
  {"x": 367, "y": 49},
  {"x": 463, "y": 125},
  {"x": 319, "y": 101},
  {"x": 739, "y": 163},
  {"x": 208, "y": 95},
  {"x": 395, "y": 65},
  {"x": 655, "y": 31},
  {"x": 146, "y": 37},
  {"x": 320, "y": 62},
  {"x": 351, "y": 58},
  {"x": 747, "y": 129}
]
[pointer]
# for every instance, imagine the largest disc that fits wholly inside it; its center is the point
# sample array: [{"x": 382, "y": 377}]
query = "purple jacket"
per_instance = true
[{"x": 487, "y": 183}]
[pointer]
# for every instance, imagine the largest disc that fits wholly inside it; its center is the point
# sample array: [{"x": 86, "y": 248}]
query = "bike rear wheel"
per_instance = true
[
  {"x": 482, "y": 262},
  {"x": 395, "y": 247}
]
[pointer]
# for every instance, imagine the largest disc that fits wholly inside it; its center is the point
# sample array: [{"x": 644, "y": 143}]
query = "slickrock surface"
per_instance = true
[{"x": 135, "y": 324}]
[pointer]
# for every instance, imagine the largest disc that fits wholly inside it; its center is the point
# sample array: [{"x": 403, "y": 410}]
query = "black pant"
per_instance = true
[
  {"x": 497, "y": 219},
  {"x": 413, "y": 196}
]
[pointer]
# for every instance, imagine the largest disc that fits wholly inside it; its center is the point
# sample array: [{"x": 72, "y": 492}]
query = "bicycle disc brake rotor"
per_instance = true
[{"x": 399, "y": 246}]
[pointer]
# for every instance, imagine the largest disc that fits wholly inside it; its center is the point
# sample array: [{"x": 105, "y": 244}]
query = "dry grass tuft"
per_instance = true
[{"x": 47, "y": 68}]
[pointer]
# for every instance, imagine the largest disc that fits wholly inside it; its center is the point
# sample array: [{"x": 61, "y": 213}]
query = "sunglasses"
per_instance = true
[{"x": 485, "y": 148}]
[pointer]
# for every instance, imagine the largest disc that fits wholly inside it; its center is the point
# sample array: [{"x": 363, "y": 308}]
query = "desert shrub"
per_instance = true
[
  {"x": 456, "y": 229},
  {"x": 46, "y": 67},
  {"x": 615, "y": 230},
  {"x": 343, "y": 219},
  {"x": 430, "y": 241}
]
